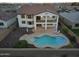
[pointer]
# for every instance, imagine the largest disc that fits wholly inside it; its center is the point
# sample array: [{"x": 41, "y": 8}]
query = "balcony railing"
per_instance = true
[
  {"x": 30, "y": 20},
  {"x": 40, "y": 20},
  {"x": 51, "y": 20},
  {"x": 47, "y": 20}
]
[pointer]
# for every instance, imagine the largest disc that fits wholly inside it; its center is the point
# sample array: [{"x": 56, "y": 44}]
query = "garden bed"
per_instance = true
[
  {"x": 76, "y": 31},
  {"x": 23, "y": 44},
  {"x": 67, "y": 32}
]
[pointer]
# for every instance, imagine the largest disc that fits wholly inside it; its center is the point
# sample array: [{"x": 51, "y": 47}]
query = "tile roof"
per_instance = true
[
  {"x": 5, "y": 16},
  {"x": 37, "y": 8}
]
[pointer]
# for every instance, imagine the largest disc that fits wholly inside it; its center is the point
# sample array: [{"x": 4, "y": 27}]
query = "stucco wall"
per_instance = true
[
  {"x": 74, "y": 27},
  {"x": 11, "y": 21},
  {"x": 5, "y": 24},
  {"x": 20, "y": 21},
  {"x": 26, "y": 19},
  {"x": 8, "y": 23}
]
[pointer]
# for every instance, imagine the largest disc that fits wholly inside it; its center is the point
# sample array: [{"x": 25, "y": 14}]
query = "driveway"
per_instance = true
[{"x": 12, "y": 38}]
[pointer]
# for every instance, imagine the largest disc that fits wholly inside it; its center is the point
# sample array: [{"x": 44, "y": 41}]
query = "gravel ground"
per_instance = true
[{"x": 12, "y": 38}]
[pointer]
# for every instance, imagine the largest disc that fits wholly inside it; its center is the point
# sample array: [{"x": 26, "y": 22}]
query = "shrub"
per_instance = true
[
  {"x": 70, "y": 46},
  {"x": 21, "y": 44},
  {"x": 31, "y": 46},
  {"x": 64, "y": 31},
  {"x": 73, "y": 39}
]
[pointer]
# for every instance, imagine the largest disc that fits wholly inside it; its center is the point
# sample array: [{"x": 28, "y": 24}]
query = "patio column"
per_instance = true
[
  {"x": 57, "y": 24},
  {"x": 35, "y": 22},
  {"x": 46, "y": 23},
  {"x": 27, "y": 29}
]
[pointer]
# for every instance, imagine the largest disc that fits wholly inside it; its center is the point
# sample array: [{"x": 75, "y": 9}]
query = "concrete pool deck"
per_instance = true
[
  {"x": 29, "y": 38},
  {"x": 38, "y": 32}
]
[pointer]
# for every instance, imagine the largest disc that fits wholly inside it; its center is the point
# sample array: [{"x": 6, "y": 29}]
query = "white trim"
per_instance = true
[
  {"x": 57, "y": 24},
  {"x": 35, "y": 22},
  {"x": 46, "y": 23}
]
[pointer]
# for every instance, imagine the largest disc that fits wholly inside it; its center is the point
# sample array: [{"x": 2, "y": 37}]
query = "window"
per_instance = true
[
  {"x": 44, "y": 16},
  {"x": 22, "y": 16},
  {"x": 38, "y": 17},
  {"x": 1, "y": 24},
  {"x": 30, "y": 23},
  {"x": 29, "y": 16},
  {"x": 23, "y": 22},
  {"x": 53, "y": 16},
  {"x": 77, "y": 25}
]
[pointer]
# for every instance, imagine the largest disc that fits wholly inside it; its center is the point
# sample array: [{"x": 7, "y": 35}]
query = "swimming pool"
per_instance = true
[{"x": 50, "y": 41}]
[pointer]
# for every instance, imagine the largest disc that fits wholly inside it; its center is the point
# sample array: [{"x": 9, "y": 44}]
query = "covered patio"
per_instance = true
[{"x": 41, "y": 30}]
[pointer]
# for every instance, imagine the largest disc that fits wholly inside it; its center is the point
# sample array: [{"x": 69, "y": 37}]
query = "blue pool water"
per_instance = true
[{"x": 46, "y": 41}]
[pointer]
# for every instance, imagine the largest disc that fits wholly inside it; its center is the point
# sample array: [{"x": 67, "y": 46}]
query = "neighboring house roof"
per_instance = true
[
  {"x": 71, "y": 7},
  {"x": 37, "y": 8},
  {"x": 71, "y": 16},
  {"x": 5, "y": 16},
  {"x": 9, "y": 6}
]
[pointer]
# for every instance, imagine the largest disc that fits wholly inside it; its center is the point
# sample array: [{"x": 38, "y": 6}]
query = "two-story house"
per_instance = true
[{"x": 31, "y": 16}]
